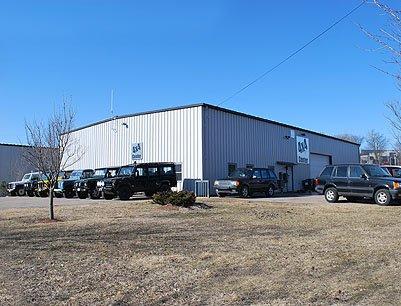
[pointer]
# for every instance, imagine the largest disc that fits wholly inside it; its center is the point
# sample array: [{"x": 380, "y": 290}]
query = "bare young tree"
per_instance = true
[
  {"x": 377, "y": 143},
  {"x": 52, "y": 146},
  {"x": 352, "y": 138}
]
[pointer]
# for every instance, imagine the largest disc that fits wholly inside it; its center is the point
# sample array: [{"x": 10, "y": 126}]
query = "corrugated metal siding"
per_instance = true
[
  {"x": 233, "y": 138},
  {"x": 12, "y": 164},
  {"x": 170, "y": 136}
]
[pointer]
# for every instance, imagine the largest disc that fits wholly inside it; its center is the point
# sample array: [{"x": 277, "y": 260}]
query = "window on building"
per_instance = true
[
  {"x": 231, "y": 168},
  {"x": 342, "y": 171},
  {"x": 355, "y": 171},
  {"x": 178, "y": 171}
]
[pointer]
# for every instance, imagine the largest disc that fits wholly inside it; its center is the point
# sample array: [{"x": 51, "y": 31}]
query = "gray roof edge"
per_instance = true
[
  {"x": 14, "y": 145},
  {"x": 215, "y": 107}
]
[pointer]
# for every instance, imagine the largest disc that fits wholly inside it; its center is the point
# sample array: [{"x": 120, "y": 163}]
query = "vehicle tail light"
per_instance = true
[
  {"x": 317, "y": 182},
  {"x": 396, "y": 185},
  {"x": 236, "y": 183}
]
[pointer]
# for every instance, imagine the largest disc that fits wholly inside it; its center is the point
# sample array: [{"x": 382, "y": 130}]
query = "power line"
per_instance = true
[{"x": 292, "y": 54}]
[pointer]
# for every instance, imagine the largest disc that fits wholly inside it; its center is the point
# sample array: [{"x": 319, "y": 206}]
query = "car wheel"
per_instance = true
[
  {"x": 124, "y": 193},
  {"x": 165, "y": 188},
  {"x": 82, "y": 195},
  {"x": 44, "y": 194},
  {"x": 331, "y": 195},
  {"x": 58, "y": 195},
  {"x": 108, "y": 196},
  {"x": 31, "y": 194},
  {"x": 270, "y": 192},
  {"x": 21, "y": 192},
  {"x": 68, "y": 194},
  {"x": 221, "y": 195},
  {"x": 244, "y": 192},
  {"x": 383, "y": 197}
]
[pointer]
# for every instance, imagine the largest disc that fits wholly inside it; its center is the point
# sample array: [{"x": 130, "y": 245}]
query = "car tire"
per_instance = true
[
  {"x": 244, "y": 192},
  {"x": 31, "y": 194},
  {"x": 270, "y": 191},
  {"x": 165, "y": 188},
  {"x": 382, "y": 197},
  {"x": 331, "y": 195},
  {"x": 82, "y": 195},
  {"x": 107, "y": 196},
  {"x": 221, "y": 195},
  {"x": 124, "y": 193},
  {"x": 58, "y": 195},
  {"x": 44, "y": 194},
  {"x": 21, "y": 192}
]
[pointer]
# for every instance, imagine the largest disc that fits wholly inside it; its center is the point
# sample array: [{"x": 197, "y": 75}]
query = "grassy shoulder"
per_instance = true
[{"x": 237, "y": 252}]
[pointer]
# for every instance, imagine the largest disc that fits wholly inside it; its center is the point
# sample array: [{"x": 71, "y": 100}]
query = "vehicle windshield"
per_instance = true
[
  {"x": 126, "y": 171},
  {"x": 76, "y": 175},
  {"x": 100, "y": 172},
  {"x": 26, "y": 177},
  {"x": 240, "y": 173},
  {"x": 375, "y": 171}
]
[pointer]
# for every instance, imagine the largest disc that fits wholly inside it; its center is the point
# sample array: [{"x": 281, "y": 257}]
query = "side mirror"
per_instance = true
[{"x": 364, "y": 176}]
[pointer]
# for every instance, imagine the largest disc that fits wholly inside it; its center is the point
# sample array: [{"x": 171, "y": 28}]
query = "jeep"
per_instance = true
[
  {"x": 63, "y": 175},
  {"x": 37, "y": 187},
  {"x": 145, "y": 177},
  {"x": 244, "y": 182},
  {"x": 88, "y": 186},
  {"x": 66, "y": 186},
  {"x": 358, "y": 181},
  {"x": 18, "y": 188}
]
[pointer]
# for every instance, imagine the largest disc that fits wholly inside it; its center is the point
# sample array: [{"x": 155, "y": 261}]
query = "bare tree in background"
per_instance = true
[
  {"x": 52, "y": 147},
  {"x": 388, "y": 38},
  {"x": 352, "y": 138},
  {"x": 377, "y": 143}
]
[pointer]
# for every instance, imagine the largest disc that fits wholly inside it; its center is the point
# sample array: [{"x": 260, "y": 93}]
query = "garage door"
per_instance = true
[{"x": 317, "y": 163}]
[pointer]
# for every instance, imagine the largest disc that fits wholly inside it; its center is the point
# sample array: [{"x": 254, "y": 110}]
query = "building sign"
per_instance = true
[
  {"x": 137, "y": 151},
  {"x": 302, "y": 150}
]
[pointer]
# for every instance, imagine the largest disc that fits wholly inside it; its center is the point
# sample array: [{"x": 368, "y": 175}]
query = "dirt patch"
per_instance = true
[{"x": 239, "y": 252}]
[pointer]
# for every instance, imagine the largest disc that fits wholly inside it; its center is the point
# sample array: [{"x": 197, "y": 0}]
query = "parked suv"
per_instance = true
[
  {"x": 37, "y": 187},
  {"x": 354, "y": 181},
  {"x": 244, "y": 182},
  {"x": 18, "y": 188},
  {"x": 146, "y": 177},
  {"x": 66, "y": 186},
  {"x": 88, "y": 186}
]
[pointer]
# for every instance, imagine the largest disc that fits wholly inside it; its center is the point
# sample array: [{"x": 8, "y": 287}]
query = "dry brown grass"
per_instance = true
[{"x": 238, "y": 252}]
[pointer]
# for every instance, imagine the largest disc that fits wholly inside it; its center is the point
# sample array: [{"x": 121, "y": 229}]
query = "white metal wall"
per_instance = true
[
  {"x": 232, "y": 138},
  {"x": 170, "y": 136}
]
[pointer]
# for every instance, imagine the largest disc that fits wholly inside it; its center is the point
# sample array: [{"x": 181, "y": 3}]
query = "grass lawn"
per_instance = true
[{"x": 237, "y": 252}]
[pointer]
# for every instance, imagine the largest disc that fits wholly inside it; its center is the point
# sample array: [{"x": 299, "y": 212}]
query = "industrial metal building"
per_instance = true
[{"x": 207, "y": 142}]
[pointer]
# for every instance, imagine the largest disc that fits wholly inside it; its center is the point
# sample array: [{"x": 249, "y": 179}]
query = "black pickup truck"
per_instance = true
[
  {"x": 145, "y": 177},
  {"x": 88, "y": 186}
]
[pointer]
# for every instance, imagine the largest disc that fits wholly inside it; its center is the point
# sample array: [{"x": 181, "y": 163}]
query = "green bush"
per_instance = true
[{"x": 180, "y": 198}]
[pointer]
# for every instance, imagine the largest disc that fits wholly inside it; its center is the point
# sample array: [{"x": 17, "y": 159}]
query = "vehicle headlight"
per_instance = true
[
  {"x": 100, "y": 184},
  {"x": 396, "y": 185},
  {"x": 216, "y": 183}
]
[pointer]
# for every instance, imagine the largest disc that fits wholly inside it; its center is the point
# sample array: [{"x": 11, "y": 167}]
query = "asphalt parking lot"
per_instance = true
[{"x": 34, "y": 202}]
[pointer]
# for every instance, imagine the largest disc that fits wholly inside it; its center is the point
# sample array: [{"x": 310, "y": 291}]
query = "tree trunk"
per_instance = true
[{"x": 51, "y": 203}]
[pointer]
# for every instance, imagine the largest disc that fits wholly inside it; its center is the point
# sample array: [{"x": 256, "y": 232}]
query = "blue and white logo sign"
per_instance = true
[
  {"x": 303, "y": 150},
  {"x": 137, "y": 151}
]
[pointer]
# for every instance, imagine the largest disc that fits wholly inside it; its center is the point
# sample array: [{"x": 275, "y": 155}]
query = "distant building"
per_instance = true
[
  {"x": 12, "y": 164},
  {"x": 382, "y": 157}
]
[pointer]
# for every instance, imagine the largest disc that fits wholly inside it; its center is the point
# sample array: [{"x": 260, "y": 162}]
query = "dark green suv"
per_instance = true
[{"x": 358, "y": 181}]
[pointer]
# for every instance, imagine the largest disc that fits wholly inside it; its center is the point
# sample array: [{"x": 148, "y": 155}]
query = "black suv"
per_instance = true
[
  {"x": 146, "y": 177},
  {"x": 244, "y": 182},
  {"x": 354, "y": 181},
  {"x": 88, "y": 186},
  {"x": 66, "y": 186}
]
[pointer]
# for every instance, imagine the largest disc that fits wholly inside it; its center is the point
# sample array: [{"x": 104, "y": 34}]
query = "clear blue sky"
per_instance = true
[{"x": 158, "y": 54}]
